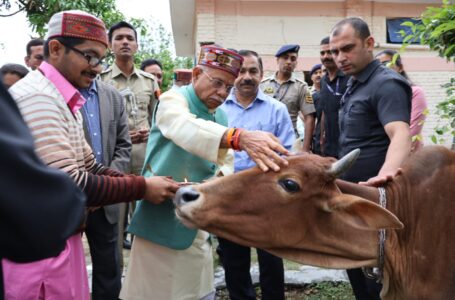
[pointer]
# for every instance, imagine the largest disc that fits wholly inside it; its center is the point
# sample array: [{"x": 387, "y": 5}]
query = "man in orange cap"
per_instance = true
[{"x": 189, "y": 140}]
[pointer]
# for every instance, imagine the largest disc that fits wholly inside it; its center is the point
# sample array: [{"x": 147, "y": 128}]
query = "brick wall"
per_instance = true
[{"x": 233, "y": 24}]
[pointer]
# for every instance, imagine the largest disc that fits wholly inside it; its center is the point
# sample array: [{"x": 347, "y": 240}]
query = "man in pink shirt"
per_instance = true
[{"x": 49, "y": 101}]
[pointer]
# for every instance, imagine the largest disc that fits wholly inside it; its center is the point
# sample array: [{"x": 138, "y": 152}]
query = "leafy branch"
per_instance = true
[
  {"x": 39, "y": 12},
  {"x": 437, "y": 30}
]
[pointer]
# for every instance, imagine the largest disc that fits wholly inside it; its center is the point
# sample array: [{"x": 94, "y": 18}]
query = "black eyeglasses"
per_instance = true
[
  {"x": 218, "y": 84},
  {"x": 91, "y": 60}
]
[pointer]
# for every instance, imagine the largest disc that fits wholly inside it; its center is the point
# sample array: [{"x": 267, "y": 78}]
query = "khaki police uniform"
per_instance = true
[
  {"x": 140, "y": 92},
  {"x": 294, "y": 93}
]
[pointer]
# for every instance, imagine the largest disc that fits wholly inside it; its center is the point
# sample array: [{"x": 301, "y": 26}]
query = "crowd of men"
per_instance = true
[{"x": 120, "y": 140}]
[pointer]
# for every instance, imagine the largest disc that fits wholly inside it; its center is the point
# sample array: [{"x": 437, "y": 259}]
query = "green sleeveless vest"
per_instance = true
[{"x": 157, "y": 223}]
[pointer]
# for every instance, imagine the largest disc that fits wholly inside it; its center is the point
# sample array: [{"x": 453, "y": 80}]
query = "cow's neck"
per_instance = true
[{"x": 393, "y": 191}]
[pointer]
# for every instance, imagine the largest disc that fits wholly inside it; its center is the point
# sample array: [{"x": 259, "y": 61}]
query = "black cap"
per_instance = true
[{"x": 287, "y": 48}]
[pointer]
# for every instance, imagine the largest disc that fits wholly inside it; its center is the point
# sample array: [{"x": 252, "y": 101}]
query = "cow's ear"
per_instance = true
[{"x": 361, "y": 213}]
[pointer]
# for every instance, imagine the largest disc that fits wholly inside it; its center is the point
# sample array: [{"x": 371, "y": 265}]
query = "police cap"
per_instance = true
[{"x": 287, "y": 48}]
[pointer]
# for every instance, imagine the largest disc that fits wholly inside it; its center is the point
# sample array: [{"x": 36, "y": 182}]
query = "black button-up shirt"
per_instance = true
[
  {"x": 331, "y": 93},
  {"x": 377, "y": 96}
]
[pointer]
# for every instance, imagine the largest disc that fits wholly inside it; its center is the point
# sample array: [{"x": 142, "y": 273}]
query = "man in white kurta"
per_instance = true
[{"x": 189, "y": 140}]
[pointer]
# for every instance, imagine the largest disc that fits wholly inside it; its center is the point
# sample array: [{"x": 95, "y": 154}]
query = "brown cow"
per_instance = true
[{"x": 304, "y": 214}]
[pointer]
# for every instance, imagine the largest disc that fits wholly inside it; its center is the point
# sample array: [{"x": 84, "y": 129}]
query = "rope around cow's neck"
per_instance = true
[{"x": 377, "y": 273}]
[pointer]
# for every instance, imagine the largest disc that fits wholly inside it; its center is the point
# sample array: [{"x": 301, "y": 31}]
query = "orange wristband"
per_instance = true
[
  {"x": 236, "y": 139},
  {"x": 231, "y": 132}
]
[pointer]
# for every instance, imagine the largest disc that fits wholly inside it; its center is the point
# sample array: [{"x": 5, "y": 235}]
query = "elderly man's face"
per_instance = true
[
  {"x": 351, "y": 53},
  {"x": 73, "y": 63},
  {"x": 212, "y": 86},
  {"x": 34, "y": 60}
]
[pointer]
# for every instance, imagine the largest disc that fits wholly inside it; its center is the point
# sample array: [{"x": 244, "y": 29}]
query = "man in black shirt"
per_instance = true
[
  {"x": 374, "y": 116},
  {"x": 333, "y": 86}
]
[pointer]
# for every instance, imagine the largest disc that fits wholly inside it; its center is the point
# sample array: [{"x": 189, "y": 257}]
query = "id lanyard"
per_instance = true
[
  {"x": 337, "y": 86},
  {"x": 341, "y": 111}
]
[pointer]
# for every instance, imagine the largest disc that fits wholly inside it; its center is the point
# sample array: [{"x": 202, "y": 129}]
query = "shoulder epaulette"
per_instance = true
[{"x": 147, "y": 75}]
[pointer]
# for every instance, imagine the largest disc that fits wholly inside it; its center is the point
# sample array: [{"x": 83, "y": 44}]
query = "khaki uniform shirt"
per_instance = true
[
  {"x": 140, "y": 92},
  {"x": 294, "y": 93}
]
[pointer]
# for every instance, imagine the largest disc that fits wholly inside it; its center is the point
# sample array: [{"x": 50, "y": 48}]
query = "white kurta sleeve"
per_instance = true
[
  {"x": 195, "y": 135},
  {"x": 227, "y": 166}
]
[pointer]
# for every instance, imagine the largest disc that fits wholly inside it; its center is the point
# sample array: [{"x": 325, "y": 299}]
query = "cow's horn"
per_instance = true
[{"x": 344, "y": 163}]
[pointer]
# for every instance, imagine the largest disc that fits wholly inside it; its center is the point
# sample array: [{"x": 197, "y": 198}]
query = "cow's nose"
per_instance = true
[
  {"x": 190, "y": 195},
  {"x": 185, "y": 194}
]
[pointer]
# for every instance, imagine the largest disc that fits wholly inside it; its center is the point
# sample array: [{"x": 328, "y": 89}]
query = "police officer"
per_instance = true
[
  {"x": 140, "y": 91},
  {"x": 374, "y": 116},
  {"x": 293, "y": 92}
]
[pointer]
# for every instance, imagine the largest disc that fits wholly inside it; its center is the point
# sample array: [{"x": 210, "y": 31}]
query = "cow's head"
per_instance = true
[{"x": 298, "y": 213}]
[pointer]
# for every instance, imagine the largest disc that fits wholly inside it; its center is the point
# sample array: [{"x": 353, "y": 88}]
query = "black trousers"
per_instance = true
[
  {"x": 236, "y": 261},
  {"x": 364, "y": 288},
  {"x": 102, "y": 238}
]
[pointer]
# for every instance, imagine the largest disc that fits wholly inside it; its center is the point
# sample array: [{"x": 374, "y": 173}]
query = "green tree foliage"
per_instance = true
[
  {"x": 39, "y": 12},
  {"x": 437, "y": 31},
  {"x": 155, "y": 42}
]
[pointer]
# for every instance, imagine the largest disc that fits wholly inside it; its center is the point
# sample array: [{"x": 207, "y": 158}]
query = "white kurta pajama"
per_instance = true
[{"x": 164, "y": 270}]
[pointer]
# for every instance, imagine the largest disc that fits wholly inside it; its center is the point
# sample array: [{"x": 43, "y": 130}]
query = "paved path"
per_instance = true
[{"x": 305, "y": 274}]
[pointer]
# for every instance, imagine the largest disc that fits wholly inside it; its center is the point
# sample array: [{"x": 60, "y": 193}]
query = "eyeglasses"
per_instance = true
[
  {"x": 218, "y": 84},
  {"x": 91, "y": 60}
]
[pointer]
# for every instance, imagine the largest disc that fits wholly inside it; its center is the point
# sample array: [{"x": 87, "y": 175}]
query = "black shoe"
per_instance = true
[{"x": 126, "y": 244}]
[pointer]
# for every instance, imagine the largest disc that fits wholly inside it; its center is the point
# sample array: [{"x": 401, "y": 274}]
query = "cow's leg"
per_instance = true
[
  {"x": 271, "y": 274},
  {"x": 236, "y": 261}
]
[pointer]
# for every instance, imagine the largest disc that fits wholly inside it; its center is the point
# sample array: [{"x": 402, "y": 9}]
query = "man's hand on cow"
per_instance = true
[
  {"x": 382, "y": 179},
  {"x": 263, "y": 148},
  {"x": 159, "y": 188}
]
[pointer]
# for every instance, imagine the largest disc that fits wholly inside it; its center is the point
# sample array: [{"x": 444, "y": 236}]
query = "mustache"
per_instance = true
[
  {"x": 247, "y": 82},
  {"x": 327, "y": 60}
]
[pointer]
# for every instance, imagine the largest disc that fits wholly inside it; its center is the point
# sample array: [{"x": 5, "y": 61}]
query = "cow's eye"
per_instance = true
[{"x": 290, "y": 185}]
